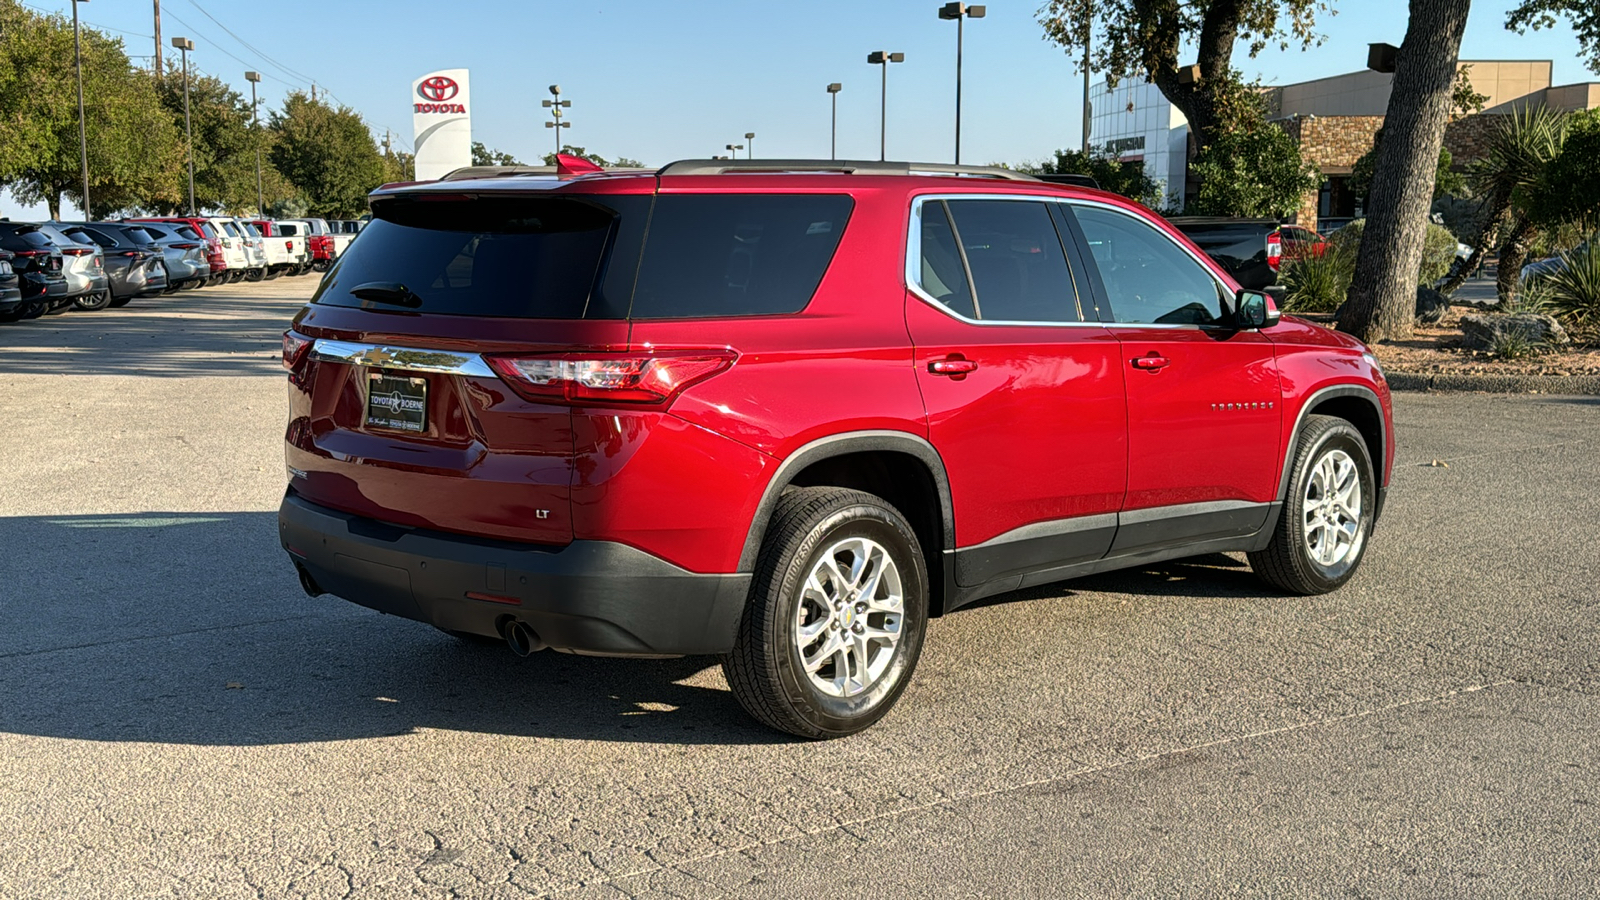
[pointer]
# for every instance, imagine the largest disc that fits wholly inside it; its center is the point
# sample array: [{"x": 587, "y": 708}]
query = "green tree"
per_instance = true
[
  {"x": 1144, "y": 38},
  {"x": 1251, "y": 167},
  {"x": 132, "y": 148},
  {"x": 1568, "y": 190},
  {"x": 1125, "y": 178},
  {"x": 483, "y": 156},
  {"x": 1584, "y": 16},
  {"x": 225, "y": 146},
  {"x": 1447, "y": 182},
  {"x": 327, "y": 154}
]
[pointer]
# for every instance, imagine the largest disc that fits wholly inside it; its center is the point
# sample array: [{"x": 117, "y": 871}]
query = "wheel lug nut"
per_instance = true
[
  {"x": 861, "y": 607},
  {"x": 858, "y": 629}
]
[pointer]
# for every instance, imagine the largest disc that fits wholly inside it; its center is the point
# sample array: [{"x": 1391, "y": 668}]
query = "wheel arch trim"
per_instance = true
[
  {"x": 1316, "y": 397},
  {"x": 824, "y": 448}
]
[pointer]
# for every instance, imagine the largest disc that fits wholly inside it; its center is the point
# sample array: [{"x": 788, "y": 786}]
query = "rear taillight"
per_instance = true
[
  {"x": 185, "y": 246},
  {"x": 1274, "y": 250},
  {"x": 133, "y": 253},
  {"x": 295, "y": 347},
  {"x": 289, "y": 246},
  {"x": 76, "y": 251},
  {"x": 654, "y": 379}
]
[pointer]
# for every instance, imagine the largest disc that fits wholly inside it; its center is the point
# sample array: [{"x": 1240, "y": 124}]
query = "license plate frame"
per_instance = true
[{"x": 396, "y": 401}]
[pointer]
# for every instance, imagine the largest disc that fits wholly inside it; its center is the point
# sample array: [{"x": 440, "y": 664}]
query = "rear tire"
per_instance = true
[
  {"x": 94, "y": 301},
  {"x": 1321, "y": 536},
  {"x": 836, "y": 616},
  {"x": 35, "y": 310},
  {"x": 119, "y": 302},
  {"x": 255, "y": 274}
]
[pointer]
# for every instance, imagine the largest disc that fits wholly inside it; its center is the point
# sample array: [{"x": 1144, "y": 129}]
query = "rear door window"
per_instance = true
[
  {"x": 1018, "y": 267},
  {"x": 522, "y": 257},
  {"x": 735, "y": 254}
]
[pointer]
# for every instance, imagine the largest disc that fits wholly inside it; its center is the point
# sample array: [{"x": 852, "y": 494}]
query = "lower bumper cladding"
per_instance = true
[{"x": 594, "y": 597}]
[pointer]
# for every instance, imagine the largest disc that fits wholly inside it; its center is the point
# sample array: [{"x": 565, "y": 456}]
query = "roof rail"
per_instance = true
[
  {"x": 466, "y": 172},
  {"x": 839, "y": 166},
  {"x": 1071, "y": 179}
]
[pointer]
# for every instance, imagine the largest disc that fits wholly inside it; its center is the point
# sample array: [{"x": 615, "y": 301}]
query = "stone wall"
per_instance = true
[
  {"x": 1467, "y": 138},
  {"x": 1336, "y": 142}
]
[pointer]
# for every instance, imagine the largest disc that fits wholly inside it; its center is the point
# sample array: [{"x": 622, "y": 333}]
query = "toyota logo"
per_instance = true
[{"x": 438, "y": 88}]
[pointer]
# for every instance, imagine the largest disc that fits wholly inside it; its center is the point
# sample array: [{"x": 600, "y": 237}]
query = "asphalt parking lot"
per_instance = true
[{"x": 178, "y": 720}]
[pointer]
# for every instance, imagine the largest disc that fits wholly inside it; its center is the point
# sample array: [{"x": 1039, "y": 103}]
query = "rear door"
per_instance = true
[
  {"x": 1204, "y": 403},
  {"x": 1022, "y": 385},
  {"x": 397, "y": 415}
]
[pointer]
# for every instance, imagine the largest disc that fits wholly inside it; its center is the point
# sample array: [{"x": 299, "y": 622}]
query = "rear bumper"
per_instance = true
[{"x": 594, "y": 597}]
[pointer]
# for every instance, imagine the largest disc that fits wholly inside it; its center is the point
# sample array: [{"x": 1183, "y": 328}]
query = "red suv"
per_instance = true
[{"x": 787, "y": 411}]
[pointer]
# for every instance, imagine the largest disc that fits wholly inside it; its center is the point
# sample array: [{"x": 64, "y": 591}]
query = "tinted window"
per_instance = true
[
  {"x": 157, "y": 233},
  {"x": 1148, "y": 278},
  {"x": 250, "y": 230},
  {"x": 230, "y": 228},
  {"x": 288, "y": 229},
  {"x": 27, "y": 237},
  {"x": 1017, "y": 264},
  {"x": 735, "y": 254},
  {"x": 91, "y": 235},
  {"x": 57, "y": 235},
  {"x": 944, "y": 277},
  {"x": 536, "y": 257}
]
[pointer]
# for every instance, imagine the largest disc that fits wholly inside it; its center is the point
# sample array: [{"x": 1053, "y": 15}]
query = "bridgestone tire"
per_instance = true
[
  {"x": 765, "y": 669},
  {"x": 1286, "y": 563}
]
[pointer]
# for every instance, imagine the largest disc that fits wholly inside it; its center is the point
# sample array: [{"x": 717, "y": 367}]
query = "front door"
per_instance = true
[
  {"x": 1204, "y": 404},
  {"x": 1024, "y": 397}
]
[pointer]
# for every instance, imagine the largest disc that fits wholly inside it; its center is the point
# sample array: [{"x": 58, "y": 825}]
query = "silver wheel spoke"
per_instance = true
[
  {"x": 849, "y": 617},
  {"x": 1332, "y": 508}
]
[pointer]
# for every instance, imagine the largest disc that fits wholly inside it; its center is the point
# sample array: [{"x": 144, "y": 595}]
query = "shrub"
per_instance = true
[
  {"x": 1574, "y": 291},
  {"x": 1514, "y": 344},
  {"x": 1438, "y": 249},
  {"x": 1319, "y": 283}
]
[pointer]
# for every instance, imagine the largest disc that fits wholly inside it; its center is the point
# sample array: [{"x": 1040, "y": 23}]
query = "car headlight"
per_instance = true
[{"x": 1373, "y": 362}]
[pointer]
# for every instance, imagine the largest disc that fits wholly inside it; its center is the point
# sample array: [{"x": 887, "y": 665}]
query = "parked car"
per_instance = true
[
  {"x": 236, "y": 247},
  {"x": 135, "y": 262},
  {"x": 286, "y": 253},
  {"x": 1250, "y": 250},
  {"x": 216, "y": 256},
  {"x": 1550, "y": 265},
  {"x": 84, "y": 266},
  {"x": 10, "y": 288},
  {"x": 324, "y": 249},
  {"x": 805, "y": 412},
  {"x": 183, "y": 251},
  {"x": 38, "y": 262},
  {"x": 300, "y": 229}
]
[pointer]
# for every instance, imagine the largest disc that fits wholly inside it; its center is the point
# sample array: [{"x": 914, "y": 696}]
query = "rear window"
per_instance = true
[
  {"x": 288, "y": 230},
  {"x": 231, "y": 229},
  {"x": 91, "y": 235},
  {"x": 737, "y": 254},
  {"x": 520, "y": 257},
  {"x": 28, "y": 236},
  {"x": 156, "y": 232},
  {"x": 57, "y": 235},
  {"x": 208, "y": 231}
]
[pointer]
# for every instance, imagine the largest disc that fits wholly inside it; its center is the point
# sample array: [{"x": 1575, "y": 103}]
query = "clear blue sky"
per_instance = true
[{"x": 659, "y": 81}]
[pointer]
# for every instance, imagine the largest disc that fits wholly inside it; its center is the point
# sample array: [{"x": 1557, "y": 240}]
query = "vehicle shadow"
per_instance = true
[
  {"x": 180, "y": 335},
  {"x": 191, "y": 629},
  {"x": 1211, "y": 576}
]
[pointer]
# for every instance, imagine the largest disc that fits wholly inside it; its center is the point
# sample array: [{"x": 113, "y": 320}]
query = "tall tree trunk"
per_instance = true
[
  {"x": 1383, "y": 293},
  {"x": 53, "y": 203},
  {"x": 1512, "y": 253}
]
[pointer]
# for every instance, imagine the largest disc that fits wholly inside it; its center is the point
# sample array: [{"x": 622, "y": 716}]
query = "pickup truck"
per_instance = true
[
  {"x": 285, "y": 253},
  {"x": 1251, "y": 250}
]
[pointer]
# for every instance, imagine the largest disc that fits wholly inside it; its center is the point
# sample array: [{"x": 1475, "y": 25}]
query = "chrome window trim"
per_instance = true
[
  {"x": 913, "y": 268},
  {"x": 406, "y": 359}
]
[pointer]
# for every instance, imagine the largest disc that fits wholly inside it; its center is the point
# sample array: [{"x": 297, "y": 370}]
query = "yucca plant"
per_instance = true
[
  {"x": 1514, "y": 344},
  {"x": 1319, "y": 283},
  {"x": 1574, "y": 289}
]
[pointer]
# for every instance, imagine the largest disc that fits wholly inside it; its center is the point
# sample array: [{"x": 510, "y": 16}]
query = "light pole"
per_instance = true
[
  {"x": 255, "y": 116},
  {"x": 959, "y": 12},
  {"x": 884, "y": 58},
  {"x": 83, "y": 135},
  {"x": 732, "y": 148},
  {"x": 184, "y": 45},
  {"x": 750, "y": 138},
  {"x": 833, "y": 132},
  {"x": 556, "y": 105}
]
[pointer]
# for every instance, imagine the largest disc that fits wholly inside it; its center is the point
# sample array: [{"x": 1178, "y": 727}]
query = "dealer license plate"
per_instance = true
[{"x": 399, "y": 402}]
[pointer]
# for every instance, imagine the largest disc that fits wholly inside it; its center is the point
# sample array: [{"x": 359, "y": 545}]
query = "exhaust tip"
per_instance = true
[
  {"x": 521, "y": 639},
  {"x": 307, "y": 583}
]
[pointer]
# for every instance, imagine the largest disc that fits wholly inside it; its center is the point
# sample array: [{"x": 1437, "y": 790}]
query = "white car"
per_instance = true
[
  {"x": 235, "y": 249},
  {"x": 286, "y": 252}
]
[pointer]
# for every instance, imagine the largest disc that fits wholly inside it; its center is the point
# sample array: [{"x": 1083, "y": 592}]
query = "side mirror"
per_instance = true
[{"x": 1252, "y": 310}]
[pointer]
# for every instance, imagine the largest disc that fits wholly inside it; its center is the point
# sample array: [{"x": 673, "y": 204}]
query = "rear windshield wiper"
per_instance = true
[{"x": 387, "y": 292}]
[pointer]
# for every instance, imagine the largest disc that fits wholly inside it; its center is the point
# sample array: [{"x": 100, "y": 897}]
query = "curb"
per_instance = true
[{"x": 1497, "y": 384}]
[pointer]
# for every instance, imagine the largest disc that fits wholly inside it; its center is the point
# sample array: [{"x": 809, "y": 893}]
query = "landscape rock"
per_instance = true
[
  {"x": 1431, "y": 306},
  {"x": 1482, "y": 331}
]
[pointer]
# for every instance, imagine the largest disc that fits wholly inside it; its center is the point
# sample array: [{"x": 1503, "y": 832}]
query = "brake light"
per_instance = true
[
  {"x": 1274, "y": 250},
  {"x": 289, "y": 246},
  {"x": 295, "y": 347},
  {"x": 133, "y": 253},
  {"x": 604, "y": 379},
  {"x": 76, "y": 251},
  {"x": 185, "y": 246}
]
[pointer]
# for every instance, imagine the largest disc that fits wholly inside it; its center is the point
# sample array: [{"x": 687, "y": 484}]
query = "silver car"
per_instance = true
[
  {"x": 182, "y": 249},
  {"x": 84, "y": 265}
]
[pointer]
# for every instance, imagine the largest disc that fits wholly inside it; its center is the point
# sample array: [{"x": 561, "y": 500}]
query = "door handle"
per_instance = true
[
  {"x": 953, "y": 366},
  {"x": 1151, "y": 362}
]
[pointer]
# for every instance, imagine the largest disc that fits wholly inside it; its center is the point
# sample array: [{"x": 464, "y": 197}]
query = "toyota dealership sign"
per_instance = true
[{"x": 441, "y": 122}]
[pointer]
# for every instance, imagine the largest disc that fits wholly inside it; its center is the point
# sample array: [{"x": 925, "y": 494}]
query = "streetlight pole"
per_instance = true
[
  {"x": 255, "y": 116},
  {"x": 555, "y": 105},
  {"x": 750, "y": 136},
  {"x": 833, "y": 132},
  {"x": 184, "y": 45},
  {"x": 733, "y": 150},
  {"x": 1088, "y": 109},
  {"x": 960, "y": 12},
  {"x": 884, "y": 58},
  {"x": 83, "y": 135}
]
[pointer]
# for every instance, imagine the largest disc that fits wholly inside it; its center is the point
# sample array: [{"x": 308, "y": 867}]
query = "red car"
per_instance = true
[
  {"x": 786, "y": 412},
  {"x": 203, "y": 227}
]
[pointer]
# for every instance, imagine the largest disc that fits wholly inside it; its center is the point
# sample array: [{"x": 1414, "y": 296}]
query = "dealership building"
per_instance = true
[{"x": 1333, "y": 119}]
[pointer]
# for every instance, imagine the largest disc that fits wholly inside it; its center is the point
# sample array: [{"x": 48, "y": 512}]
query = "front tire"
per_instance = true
[
  {"x": 836, "y": 616},
  {"x": 1321, "y": 536}
]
